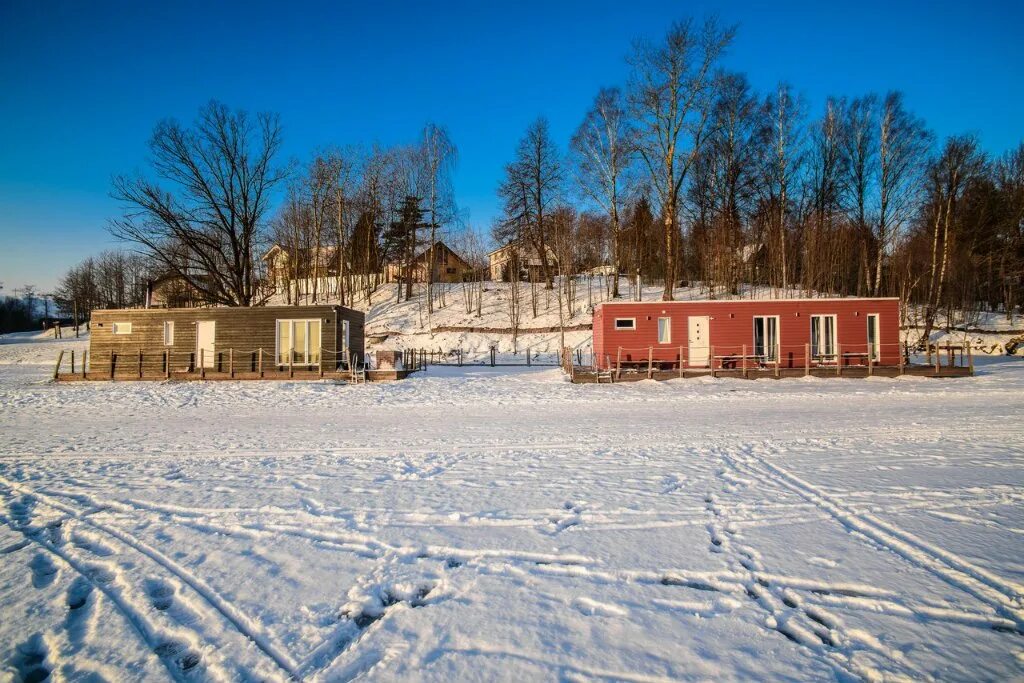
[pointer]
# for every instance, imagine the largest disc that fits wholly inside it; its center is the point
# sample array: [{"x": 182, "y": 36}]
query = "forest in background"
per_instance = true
[{"x": 684, "y": 174}]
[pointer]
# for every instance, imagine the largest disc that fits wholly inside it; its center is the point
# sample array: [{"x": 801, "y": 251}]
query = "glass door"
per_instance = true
[{"x": 298, "y": 342}]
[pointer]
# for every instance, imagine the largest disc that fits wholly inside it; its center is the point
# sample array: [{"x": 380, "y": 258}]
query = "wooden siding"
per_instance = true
[
  {"x": 245, "y": 330},
  {"x": 732, "y": 327}
]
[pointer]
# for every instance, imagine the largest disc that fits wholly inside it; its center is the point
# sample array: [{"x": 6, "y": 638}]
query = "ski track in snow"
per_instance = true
[{"x": 484, "y": 524}]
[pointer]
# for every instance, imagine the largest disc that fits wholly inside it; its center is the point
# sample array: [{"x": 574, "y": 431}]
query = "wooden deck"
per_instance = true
[
  {"x": 584, "y": 376},
  {"x": 212, "y": 376}
]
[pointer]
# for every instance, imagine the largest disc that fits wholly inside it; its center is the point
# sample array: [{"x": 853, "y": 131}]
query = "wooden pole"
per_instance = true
[
  {"x": 871, "y": 364},
  {"x": 72, "y": 361},
  {"x": 807, "y": 360},
  {"x": 167, "y": 364},
  {"x": 680, "y": 362},
  {"x": 231, "y": 363},
  {"x": 291, "y": 367},
  {"x": 140, "y": 363},
  {"x": 527, "y": 356},
  {"x": 112, "y": 361},
  {"x": 85, "y": 359},
  {"x": 839, "y": 360},
  {"x": 618, "y": 364},
  {"x": 778, "y": 357},
  {"x": 56, "y": 368},
  {"x": 743, "y": 360},
  {"x": 711, "y": 359},
  {"x": 259, "y": 363},
  {"x": 202, "y": 363},
  {"x": 902, "y": 356},
  {"x": 938, "y": 359},
  {"x": 970, "y": 358}
]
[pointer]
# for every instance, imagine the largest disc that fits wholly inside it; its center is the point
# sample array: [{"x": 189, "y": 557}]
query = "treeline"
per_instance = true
[
  {"x": 690, "y": 175},
  {"x": 111, "y": 279}
]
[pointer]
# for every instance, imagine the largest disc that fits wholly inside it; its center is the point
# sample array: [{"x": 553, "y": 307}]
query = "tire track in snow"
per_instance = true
[
  {"x": 247, "y": 627},
  {"x": 810, "y": 626},
  {"x": 1005, "y": 596},
  {"x": 147, "y": 632}
]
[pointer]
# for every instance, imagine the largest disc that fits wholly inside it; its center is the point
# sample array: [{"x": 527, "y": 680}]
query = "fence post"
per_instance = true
[
  {"x": 928, "y": 347},
  {"x": 970, "y": 359},
  {"x": 527, "y": 356},
  {"x": 72, "y": 361},
  {"x": 650, "y": 362},
  {"x": 680, "y": 362},
  {"x": 618, "y": 364},
  {"x": 902, "y": 356},
  {"x": 839, "y": 360},
  {"x": 460, "y": 356},
  {"x": 140, "y": 363},
  {"x": 202, "y": 363},
  {"x": 167, "y": 364},
  {"x": 778, "y": 358},
  {"x": 291, "y": 365},
  {"x": 711, "y": 359},
  {"x": 85, "y": 359},
  {"x": 56, "y": 368},
  {"x": 113, "y": 357},
  {"x": 744, "y": 360},
  {"x": 871, "y": 365},
  {"x": 231, "y": 363},
  {"x": 259, "y": 362},
  {"x": 938, "y": 359},
  {"x": 807, "y": 360}
]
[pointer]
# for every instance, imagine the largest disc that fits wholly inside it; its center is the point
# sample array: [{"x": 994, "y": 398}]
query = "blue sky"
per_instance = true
[{"x": 82, "y": 84}]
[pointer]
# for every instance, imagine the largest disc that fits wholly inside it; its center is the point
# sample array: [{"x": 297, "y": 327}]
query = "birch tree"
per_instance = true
[{"x": 671, "y": 95}]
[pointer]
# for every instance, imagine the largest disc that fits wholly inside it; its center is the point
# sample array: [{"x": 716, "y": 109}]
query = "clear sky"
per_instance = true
[{"x": 83, "y": 83}]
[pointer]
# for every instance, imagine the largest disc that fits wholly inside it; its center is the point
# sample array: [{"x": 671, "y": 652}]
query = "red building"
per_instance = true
[{"x": 754, "y": 333}]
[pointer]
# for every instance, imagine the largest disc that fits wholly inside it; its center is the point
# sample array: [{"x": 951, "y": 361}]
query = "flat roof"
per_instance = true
[{"x": 754, "y": 301}]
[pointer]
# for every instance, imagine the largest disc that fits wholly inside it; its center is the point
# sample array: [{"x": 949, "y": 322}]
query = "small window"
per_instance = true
[
  {"x": 664, "y": 330},
  {"x": 169, "y": 333},
  {"x": 121, "y": 328},
  {"x": 625, "y": 323}
]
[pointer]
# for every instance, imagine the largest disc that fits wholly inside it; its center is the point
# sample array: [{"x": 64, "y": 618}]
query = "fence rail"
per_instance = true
[{"x": 744, "y": 360}]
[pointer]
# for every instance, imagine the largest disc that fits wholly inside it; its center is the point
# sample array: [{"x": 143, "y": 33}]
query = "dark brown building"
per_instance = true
[{"x": 307, "y": 337}]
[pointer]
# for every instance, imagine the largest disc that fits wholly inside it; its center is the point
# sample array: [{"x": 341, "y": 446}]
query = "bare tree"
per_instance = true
[
  {"x": 603, "y": 149},
  {"x": 671, "y": 96},
  {"x": 532, "y": 182},
  {"x": 221, "y": 173},
  {"x": 783, "y": 167},
  {"x": 439, "y": 156}
]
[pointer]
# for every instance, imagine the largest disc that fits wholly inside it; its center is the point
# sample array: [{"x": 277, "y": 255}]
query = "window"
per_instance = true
[
  {"x": 121, "y": 328},
  {"x": 298, "y": 342},
  {"x": 625, "y": 323},
  {"x": 766, "y": 336},
  {"x": 664, "y": 330},
  {"x": 168, "y": 333},
  {"x": 873, "y": 336},
  {"x": 823, "y": 335}
]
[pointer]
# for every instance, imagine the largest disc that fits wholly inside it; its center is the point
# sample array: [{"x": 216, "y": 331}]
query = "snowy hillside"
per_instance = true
[{"x": 504, "y": 524}]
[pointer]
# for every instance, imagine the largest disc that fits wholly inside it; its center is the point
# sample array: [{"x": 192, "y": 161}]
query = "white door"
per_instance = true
[
  {"x": 698, "y": 339},
  {"x": 206, "y": 332}
]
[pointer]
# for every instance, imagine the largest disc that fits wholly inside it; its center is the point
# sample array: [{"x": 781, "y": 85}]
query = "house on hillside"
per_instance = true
[
  {"x": 284, "y": 264},
  {"x": 522, "y": 256},
  {"x": 219, "y": 339},
  {"x": 792, "y": 333},
  {"x": 448, "y": 266},
  {"x": 172, "y": 291}
]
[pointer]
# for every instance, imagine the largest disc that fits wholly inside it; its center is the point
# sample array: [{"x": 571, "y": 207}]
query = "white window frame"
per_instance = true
[
  {"x": 668, "y": 330},
  {"x": 874, "y": 350},
  {"x": 771, "y": 353},
  {"x": 121, "y": 328},
  {"x": 632, "y": 324},
  {"x": 168, "y": 333},
  {"x": 816, "y": 346},
  {"x": 291, "y": 340}
]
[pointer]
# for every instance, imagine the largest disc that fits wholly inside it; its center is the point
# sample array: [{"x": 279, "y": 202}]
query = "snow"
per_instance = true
[{"x": 495, "y": 523}]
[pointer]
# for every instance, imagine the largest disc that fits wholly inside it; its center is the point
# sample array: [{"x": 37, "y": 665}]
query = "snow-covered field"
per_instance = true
[{"x": 479, "y": 524}]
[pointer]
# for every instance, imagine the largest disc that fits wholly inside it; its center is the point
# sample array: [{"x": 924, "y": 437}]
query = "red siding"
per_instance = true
[{"x": 732, "y": 326}]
